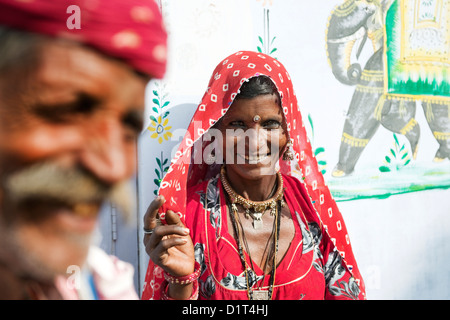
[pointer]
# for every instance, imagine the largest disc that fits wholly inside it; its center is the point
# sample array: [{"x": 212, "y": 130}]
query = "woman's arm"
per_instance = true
[{"x": 170, "y": 248}]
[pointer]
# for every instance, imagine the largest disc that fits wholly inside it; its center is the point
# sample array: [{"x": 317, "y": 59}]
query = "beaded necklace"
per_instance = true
[{"x": 258, "y": 207}]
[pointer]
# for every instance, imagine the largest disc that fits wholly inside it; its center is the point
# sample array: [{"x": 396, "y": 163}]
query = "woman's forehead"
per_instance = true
[{"x": 266, "y": 103}]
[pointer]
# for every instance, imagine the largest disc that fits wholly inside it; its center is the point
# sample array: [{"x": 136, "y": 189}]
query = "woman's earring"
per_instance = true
[
  {"x": 210, "y": 159},
  {"x": 288, "y": 155}
]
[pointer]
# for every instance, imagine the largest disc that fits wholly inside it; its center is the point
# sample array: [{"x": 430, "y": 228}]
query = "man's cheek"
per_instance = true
[{"x": 43, "y": 142}]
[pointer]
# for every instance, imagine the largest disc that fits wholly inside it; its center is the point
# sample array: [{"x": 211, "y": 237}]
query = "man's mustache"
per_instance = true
[{"x": 51, "y": 182}]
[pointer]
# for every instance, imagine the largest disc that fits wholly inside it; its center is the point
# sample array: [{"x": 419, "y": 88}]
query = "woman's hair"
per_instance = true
[{"x": 257, "y": 86}]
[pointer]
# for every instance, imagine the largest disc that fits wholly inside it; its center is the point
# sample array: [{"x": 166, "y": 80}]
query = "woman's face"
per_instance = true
[{"x": 254, "y": 135}]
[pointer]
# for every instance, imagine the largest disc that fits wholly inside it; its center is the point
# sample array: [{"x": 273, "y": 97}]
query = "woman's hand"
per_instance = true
[{"x": 170, "y": 246}]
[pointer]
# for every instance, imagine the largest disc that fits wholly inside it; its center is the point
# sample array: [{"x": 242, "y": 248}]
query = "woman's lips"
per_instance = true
[{"x": 254, "y": 159}]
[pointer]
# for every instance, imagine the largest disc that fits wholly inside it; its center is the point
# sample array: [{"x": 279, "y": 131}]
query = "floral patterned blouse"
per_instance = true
[{"x": 311, "y": 269}]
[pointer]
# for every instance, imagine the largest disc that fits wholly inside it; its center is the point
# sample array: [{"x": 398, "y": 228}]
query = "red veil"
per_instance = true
[{"x": 223, "y": 87}]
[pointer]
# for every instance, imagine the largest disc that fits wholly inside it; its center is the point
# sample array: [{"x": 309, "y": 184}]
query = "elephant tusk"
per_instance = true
[
  {"x": 363, "y": 42},
  {"x": 357, "y": 35}
]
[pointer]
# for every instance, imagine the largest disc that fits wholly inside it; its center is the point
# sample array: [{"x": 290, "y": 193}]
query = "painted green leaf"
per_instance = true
[
  {"x": 166, "y": 114},
  {"x": 165, "y": 161},
  {"x": 311, "y": 123},
  {"x": 396, "y": 140},
  {"x": 393, "y": 153},
  {"x": 407, "y": 161},
  {"x": 155, "y": 93},
  {"x": 318, "y": 150},
  {"x": 158, "y": 162},
  {"x": 156, "y": 101},
  {"x": 322, "y": 163},
  {"x": 405, "y": 155},
  {"x": 153, "y": 118},
  {"x": 273, "y": 50},
  {"x": 157, "y": 173},
  {"x": 261, "y": 40},
  {"x": 388, "y": 160},
  {"x": 259, "y": 49},
  {"x": 384, "y": 169},
  {"x": 165, "y": 104},
  {"x": 155, "y": 109},
  {"x": 273, "y": 39},
  {"x": 156, "y": 181}
]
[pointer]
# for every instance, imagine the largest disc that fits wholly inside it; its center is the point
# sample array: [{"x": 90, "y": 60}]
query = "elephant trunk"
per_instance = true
[
  {"x": 339, "y": 58},
  {"x": 346, "y": 25}
]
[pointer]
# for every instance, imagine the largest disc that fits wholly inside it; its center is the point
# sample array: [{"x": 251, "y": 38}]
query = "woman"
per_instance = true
[{"x": 241, "y": 224}]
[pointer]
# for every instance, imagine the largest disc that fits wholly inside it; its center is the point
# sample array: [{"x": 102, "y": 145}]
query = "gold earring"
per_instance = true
[
  {"x": 210, "y": 159},
  {"x": 288, "y": 155}
]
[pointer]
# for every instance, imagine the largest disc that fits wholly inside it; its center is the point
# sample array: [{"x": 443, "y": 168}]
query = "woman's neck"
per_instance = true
[{"x": 259, "y": 189}]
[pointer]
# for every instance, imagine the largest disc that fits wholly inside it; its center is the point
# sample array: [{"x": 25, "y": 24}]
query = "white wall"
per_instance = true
[{"x": 402, "y": 244}]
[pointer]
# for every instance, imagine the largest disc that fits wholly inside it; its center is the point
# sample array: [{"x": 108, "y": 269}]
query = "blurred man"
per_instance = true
[{"x": 72, "y": 83}]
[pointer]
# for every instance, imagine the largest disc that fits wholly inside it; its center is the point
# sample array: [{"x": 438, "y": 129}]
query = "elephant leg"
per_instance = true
[
  {"x": 438, "y": 118},
  {"x": 398, "y": 116},
  {"x": 361, "y": 122},
  {"x": 359, "y": 127}
]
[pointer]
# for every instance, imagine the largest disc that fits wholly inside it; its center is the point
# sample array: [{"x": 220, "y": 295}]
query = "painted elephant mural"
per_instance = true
[{"x": 410, "y": 62}]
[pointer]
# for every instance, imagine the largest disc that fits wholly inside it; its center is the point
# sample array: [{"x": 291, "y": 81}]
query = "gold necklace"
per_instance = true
[{"x": 258, "y": 207}]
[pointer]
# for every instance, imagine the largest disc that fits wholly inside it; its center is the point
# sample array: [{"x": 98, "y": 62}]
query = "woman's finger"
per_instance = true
[
  {"x": 163, "y": 231},
  {"x": 150, "y": 217},
  {"x": 168, "y": 243},
  {"x": 173, "y": 218}
]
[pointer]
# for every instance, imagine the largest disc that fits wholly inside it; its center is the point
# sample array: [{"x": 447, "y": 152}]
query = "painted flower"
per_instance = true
[{"x": 160, "y": 129}]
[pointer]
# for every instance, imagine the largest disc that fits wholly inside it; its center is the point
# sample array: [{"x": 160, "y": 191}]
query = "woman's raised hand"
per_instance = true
[{"x": 169, "y": 246}]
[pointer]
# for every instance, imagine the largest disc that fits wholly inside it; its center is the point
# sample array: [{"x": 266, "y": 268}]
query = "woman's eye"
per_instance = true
[
  {"x": 272, "y": 124},
  {"x": 237, "y": 124}
]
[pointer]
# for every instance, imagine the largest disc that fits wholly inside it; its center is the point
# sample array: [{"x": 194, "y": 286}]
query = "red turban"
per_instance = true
[{"x": 130, "y": 30}]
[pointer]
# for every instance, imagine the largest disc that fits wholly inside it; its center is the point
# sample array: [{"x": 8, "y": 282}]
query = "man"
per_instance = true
[{"x": 72, "y": 83}]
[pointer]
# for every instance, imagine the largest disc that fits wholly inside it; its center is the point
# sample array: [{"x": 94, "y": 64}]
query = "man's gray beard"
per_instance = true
[{"x": 50, "y": 182}]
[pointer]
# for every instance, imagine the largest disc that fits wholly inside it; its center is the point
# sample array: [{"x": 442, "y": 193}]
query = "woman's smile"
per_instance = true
[{"x": 253, "y": 159}]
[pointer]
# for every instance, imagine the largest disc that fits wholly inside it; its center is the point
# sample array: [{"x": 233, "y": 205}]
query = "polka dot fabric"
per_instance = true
[
  {"x": 130, "y": 30},
  {"x": 223, "y": 87}
]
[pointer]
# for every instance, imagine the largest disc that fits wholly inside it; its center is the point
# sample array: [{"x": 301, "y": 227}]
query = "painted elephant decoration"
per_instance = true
[{"x": 351, "y": 26}]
